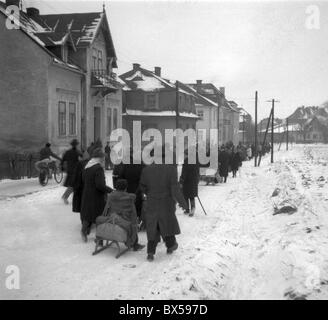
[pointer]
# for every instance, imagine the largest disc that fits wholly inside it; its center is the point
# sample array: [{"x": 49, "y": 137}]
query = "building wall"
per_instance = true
[
  {"x": 65, "y": 86},
  {"x": 23, "y": 92}
]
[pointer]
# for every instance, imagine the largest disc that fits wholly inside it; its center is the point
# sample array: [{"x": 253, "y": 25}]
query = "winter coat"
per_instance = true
[
  {"x": 70, "y": 161},
  {"x": 224, "y": 159},
  {"x": 189, "y": 179},
  {"x": 236, "y": 161},
  {"x": 94, "y": 193},
  {"x": 78, "y": 186},
  {"x": 121, "y": 205},
  {"x": 46, "y": 153},
  {"x": 132, "y": 173},
  {"x": 160, "y": 183}
]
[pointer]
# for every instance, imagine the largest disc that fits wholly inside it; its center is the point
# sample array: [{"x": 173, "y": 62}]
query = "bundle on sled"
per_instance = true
[
  {"x": 109, "y": 232},
  {"x": 210, "y": 176}
]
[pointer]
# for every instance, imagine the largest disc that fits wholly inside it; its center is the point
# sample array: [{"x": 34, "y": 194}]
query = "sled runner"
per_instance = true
[
  {"x": 209, "y": 175},
  {"x": 110, "y": 234}
]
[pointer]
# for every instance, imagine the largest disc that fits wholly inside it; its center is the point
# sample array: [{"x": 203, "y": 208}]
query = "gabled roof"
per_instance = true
[
  {"x": 31, "y": 28},
  {"x": 84, "y": 27},
  {"x": 199, "y": 98},
  {"x": 147, "y": 80}
]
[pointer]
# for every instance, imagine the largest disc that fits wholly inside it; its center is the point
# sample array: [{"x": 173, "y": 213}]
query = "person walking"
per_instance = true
[
  {"x": 224, "y": 159},
  {"x": 107, "y": 157},
  {"x": 189, "y": 181},
  {"x": 94, "y": 191},
  {"x": 159, "y": 184},
  {"x": 69, "y": 162},
  {"x": 235, "y": 162}
]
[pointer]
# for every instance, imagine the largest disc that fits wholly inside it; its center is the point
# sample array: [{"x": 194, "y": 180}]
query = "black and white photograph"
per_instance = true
[{"x": 163, "y": 150}]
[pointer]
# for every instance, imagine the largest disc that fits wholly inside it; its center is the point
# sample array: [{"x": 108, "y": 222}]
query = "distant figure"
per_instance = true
[
  {"x": 249, "y": 152},
  {"x": 235, "y": 162},
  {"x": 159, "y": 184},
  {"x": 46, "y": 153},
  {"x": 224, "y": 159},
  {"x": 94, "y": 191},
  {"x": 90, "y": 149},
  {"x": 189, "y": 180},
  {"x": 70, "y": 161},
  {"x": 107, "y": 157}
]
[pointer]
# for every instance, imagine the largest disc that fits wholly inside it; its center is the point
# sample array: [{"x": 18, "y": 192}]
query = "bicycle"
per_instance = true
[{"x": 46, "y": 169}]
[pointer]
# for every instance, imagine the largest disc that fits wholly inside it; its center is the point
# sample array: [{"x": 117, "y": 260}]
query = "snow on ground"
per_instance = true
[{"x": 243, "y": 248}]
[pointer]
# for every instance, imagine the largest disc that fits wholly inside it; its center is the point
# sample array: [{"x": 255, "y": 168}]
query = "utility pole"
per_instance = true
[
  {"x": 243, "y": 129},
  {"x": 272, "y": 127},
  {"x": 255, "y": 158},
  {"x": 177, "y": 105},
  {"x": 287, "y": 131},
  {"x": 219, "y": 102}
]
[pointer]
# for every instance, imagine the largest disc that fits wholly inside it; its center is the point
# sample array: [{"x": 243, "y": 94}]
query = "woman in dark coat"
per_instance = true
[
  {"x": 224, "y": 160},
  {"x": 70, "y": 161},
  {"x": 159, "y": 183},
  {"x": 235, "y": 162},
  {"x": 189, "y": 179},
  {"x": 94, "y": 191},
  {"x": 78, "y": 183}
]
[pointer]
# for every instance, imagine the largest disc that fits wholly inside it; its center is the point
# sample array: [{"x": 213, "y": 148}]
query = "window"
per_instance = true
[
  {"x": 72, "y": 118},
  {"x": 100, "y": 60},
  {"x": 109, "y": 121},
  {"x": 151, "y": 101},
  {"x": 94, "y": 59},
  {"x": 200, "y": 114},
  {"x": 114, "y": 119},
  {"x": 62, "y": 118}
]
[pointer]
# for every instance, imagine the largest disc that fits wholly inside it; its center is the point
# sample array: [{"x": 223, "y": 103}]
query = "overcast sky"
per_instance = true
[{"x": 243, "y": 46}]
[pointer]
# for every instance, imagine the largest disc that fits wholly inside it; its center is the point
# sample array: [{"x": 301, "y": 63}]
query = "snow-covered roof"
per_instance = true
[{"x": 166, "y": 113}]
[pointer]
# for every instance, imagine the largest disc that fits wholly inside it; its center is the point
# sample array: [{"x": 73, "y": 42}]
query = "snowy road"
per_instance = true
[{"x": 239, "y": 251}]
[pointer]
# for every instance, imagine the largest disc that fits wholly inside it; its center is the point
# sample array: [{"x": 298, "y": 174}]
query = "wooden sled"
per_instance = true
[
  {"x": 99, "y": 248},
  {"x": 210, "y": 176},
  {"x": 110, "y": 234}
]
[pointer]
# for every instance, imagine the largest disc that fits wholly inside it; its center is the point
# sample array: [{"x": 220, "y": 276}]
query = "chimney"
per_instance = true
[
  {"x": 32, "y": 12},
  {"x": 158, "y": 71},
  {"x": 136, "y": 66},
  {"x": 198, "y": 85},
  {"x": 13, "y": 3},
  {"x": 222, "y": 90}
]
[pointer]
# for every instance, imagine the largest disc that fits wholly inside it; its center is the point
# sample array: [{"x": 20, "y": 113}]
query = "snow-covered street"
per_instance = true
[{"x": 243, "y": 248}]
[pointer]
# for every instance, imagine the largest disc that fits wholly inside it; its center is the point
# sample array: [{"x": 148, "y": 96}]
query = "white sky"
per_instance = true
[{"x": 243, "y": 46}]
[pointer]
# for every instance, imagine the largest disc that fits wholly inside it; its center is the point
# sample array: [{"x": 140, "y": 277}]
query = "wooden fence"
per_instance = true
[{"x": 18, "y": 166}]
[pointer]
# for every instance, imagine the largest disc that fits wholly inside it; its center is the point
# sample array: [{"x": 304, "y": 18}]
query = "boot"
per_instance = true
[
  {"x": 138, "y": 247},
  {"x": 150, "y": 257},
  {"x": 192, "y": 212},
  {"x": 173, "y": 248}
]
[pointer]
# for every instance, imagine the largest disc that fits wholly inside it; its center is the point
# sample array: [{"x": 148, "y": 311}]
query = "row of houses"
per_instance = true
[{"x": 58, "y": 83}]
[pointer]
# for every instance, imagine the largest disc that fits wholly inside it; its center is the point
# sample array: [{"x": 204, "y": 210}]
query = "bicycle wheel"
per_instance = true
[
  {"x": 58, "y": 174},
  {"x": 43, "y": 177}
]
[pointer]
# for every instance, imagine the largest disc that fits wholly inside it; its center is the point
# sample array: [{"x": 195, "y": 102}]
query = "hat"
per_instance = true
[
  {"x": 97, "y": 153},
  {"x": 48, "y": 144},
  {"x": 74, "y": 143}
]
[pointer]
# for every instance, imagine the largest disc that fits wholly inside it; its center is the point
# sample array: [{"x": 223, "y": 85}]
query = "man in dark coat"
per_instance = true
[
  {"x": 70, "y": 161},
  {"x": 159, "y": 184},
  {"x": 94, "y": 191},
  {"x": 224, "y": 159},
  {"x": 189, "y": 180},
  {"x": 46, "y": 153},
  {"x": 107, "y": 156}
]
